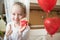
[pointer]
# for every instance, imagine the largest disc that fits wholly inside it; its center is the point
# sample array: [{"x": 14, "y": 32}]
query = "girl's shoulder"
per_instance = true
[{"x": 9, "y": 24}]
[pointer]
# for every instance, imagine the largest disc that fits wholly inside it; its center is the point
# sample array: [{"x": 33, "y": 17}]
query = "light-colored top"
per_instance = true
[{"x": 15, "y": 34}]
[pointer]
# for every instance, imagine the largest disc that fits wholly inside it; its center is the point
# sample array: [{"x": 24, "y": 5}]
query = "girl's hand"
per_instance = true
[
  {"x": 8, "y": 30},
  {"x": 9, "y": 33},
  {"x": 23, "y": 24},
  {"x": 23, "y": 28}
]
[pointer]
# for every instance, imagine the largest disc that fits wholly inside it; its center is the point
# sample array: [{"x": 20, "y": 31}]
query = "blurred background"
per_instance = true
[{"x": 35, "y": 16}]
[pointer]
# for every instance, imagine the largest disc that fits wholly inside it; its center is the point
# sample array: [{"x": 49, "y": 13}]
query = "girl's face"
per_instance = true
[{"x": 17, "y": 13}]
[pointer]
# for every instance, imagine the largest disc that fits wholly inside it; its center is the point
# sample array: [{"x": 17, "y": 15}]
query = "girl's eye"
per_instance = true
[
  {"x": 20, "y": 14},
  {"x": 13, "y": 13}
]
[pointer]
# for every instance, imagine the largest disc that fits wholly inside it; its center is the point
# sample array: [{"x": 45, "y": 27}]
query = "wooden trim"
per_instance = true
[{"x": 37, "y": 26}]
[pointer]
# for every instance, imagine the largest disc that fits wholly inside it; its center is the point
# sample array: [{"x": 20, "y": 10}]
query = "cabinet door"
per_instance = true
[
  {"x": 38, "y": 34},
  {"x": 37, "y": 15}
]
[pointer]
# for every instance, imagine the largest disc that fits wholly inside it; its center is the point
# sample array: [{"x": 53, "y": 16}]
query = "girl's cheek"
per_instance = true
[
  {"x": 12, "y": 19},
  {"x": 20, "y": 17}
]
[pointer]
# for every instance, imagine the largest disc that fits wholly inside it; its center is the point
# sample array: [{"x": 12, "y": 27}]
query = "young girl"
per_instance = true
[{"x": 17, "y": 29}]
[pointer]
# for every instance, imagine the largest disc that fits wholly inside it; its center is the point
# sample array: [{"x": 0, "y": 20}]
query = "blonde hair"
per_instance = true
[{"x": 22, "y": 6}]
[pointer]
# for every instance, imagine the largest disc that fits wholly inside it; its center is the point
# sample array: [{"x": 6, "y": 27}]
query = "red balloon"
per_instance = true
[
  {"x": 47, "y": 5},
  {"x": 51, "y": 25},
  {"x": 24, "y": 23},
  {"x": 57, "y": 19}
]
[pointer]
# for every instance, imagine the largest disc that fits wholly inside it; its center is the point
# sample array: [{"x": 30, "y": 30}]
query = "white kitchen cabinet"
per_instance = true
[
  {"x": 41, "y": 34},
  {"x": 55, "y": 37},
  {"x": 37, "y": 34}
]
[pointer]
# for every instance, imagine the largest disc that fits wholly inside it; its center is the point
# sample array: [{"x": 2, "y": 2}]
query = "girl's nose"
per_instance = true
[{"x": 16, "y": 16}]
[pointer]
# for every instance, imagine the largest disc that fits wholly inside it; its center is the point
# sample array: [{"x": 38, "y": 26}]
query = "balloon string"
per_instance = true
[
  {"x": 48, "y": 13},
  {"x": 51, "y": 37}
]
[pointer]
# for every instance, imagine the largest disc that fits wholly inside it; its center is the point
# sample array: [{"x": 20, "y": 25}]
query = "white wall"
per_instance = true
[{"x": 35, "y": 1}]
